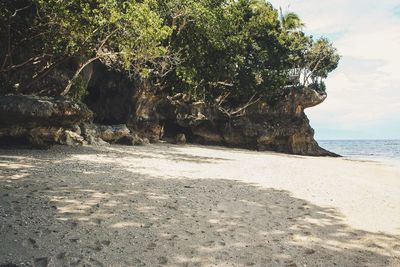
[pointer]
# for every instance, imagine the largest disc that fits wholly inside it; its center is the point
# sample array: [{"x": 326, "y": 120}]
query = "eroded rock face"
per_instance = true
[
  {"x": 31, "y": 111},
  {"x": 44, "y": 121},
  {"x": 71, "y": 138},
  {"x": 41, "y": 120},
  {"x": 280, "y": 126},
  {"x": 146, "y": 119},
  {"x": 97, "y": 134}
]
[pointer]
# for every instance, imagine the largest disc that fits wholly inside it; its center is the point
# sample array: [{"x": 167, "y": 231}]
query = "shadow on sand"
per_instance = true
[{"x": 56, "y": 210}]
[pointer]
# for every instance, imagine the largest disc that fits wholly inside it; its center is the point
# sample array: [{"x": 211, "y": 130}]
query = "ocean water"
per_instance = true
[{"x": 364, "y": 149}]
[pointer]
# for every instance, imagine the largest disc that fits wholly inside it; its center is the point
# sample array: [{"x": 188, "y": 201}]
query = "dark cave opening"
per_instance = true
[
  {"x": 172, "y": 129},
  {"x": 110, "y": 95}
]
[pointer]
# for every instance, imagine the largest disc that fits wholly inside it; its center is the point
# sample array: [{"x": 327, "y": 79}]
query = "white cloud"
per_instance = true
[{"x": 365, "y": 90}]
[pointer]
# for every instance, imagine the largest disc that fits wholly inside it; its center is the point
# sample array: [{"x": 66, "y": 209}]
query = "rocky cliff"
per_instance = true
[
  {"x": 277, "y": 125},
  {"x": 44, "y": 121},
  {"x": 39, "y": 120}
]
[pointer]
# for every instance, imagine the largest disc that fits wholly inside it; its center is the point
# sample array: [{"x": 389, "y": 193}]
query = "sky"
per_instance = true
[{"x": 364, "y": 92}]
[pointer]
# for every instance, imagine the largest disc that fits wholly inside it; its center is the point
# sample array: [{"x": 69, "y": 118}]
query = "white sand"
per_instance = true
[{"x": 195, "y": 206}]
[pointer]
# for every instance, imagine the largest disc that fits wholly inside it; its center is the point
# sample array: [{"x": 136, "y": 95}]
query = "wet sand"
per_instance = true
[{"x": 165, "y": 205}]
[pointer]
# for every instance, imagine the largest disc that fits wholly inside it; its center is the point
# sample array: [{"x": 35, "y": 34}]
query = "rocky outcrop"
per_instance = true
[
  {"x": 31, "y": 111},
  {"x": 277, "y": 125},
  {"x": 71, "y": 138},
  {"x": 107, "y": 133},
  {"x": 41, "y": 120},
  {"x": 97, "y": 134},
  {"x": 147, "y": 119}
]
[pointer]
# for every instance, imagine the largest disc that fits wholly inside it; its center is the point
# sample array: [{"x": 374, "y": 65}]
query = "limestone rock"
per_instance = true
[
  {"x": 278, "y": 125},
  {"x": 131, "y": 140},
  {"x": 147, "y": 117},
  {"x": 112, "y": 133},
  {"x": 180, "y": 139},
  {"x": 77, "y": 129},
  {"x": 40, "y": 120},
  {"x": 96, "y": 134},
  {"x": 71, "y": 138},
  {"x": 31, "y": 111},
  {"x": 145, "y": 141},
  {"x": 96, "y": 141},
  {"x": 91, "y": 134}
]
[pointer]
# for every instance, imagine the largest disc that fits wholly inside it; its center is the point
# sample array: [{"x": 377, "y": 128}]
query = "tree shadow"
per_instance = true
[{"x": 58, "y": 209}]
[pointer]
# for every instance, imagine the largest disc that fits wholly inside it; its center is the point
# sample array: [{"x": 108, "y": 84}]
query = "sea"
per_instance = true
[{"x": 375, "y": 150}]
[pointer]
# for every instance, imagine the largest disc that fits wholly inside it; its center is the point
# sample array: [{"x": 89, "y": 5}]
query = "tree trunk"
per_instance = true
[{"x": 71, "y": 81}]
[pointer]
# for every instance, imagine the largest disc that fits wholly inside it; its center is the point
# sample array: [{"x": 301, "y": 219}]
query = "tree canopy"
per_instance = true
[{"x": 206, "y": 48}]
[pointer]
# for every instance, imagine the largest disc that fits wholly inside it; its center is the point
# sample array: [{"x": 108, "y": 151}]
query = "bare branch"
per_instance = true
[
  {"x": 20, "y": 65},
  {"x": 221, "y": 99},
  {"x": 20, "y": 9},
  {"x": 238, "y": 112},
  {"x": 71, "y": 81},
  {"x": 46, "y": 70},
  {"x": 242, "y": 109},
  {"x": 306, "y": 77},
  {"x": 104, "y": 41}
]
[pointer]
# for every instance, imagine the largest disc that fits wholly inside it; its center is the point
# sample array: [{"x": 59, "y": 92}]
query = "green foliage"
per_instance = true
[
  {"x": 322, "y": 58},
  {"x": 207, "y": 48},
  {"x": 228, "y": 46},
  {"x": 241, "y": 47},
  {"x": 291, "y": 21},
  {"x": 125, "y": 34},
  {"x": 78, "y": 90}
]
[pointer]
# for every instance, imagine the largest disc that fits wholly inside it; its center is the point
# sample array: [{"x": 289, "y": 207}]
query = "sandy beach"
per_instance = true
[{"x": 167, "y": 205}]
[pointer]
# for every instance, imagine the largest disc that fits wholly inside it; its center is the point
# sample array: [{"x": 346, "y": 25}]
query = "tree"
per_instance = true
[
  {"x": 291, "y": 21},
  {"x": 319, "y": 61},
  {"x": 126, "y": 35},
  {"x": 16, "y": 31},
  {"x": 229, "y": 46},
  {"x": 210, "y": 49}
]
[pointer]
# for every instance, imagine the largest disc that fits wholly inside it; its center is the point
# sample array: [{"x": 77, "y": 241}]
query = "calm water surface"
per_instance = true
[{"x": 381, "y": 150}]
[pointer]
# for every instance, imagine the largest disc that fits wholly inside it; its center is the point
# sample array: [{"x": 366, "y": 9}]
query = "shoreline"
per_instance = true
[
  {"x": 369, "y": 149},
  {"x": 195, "y": 206}
]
